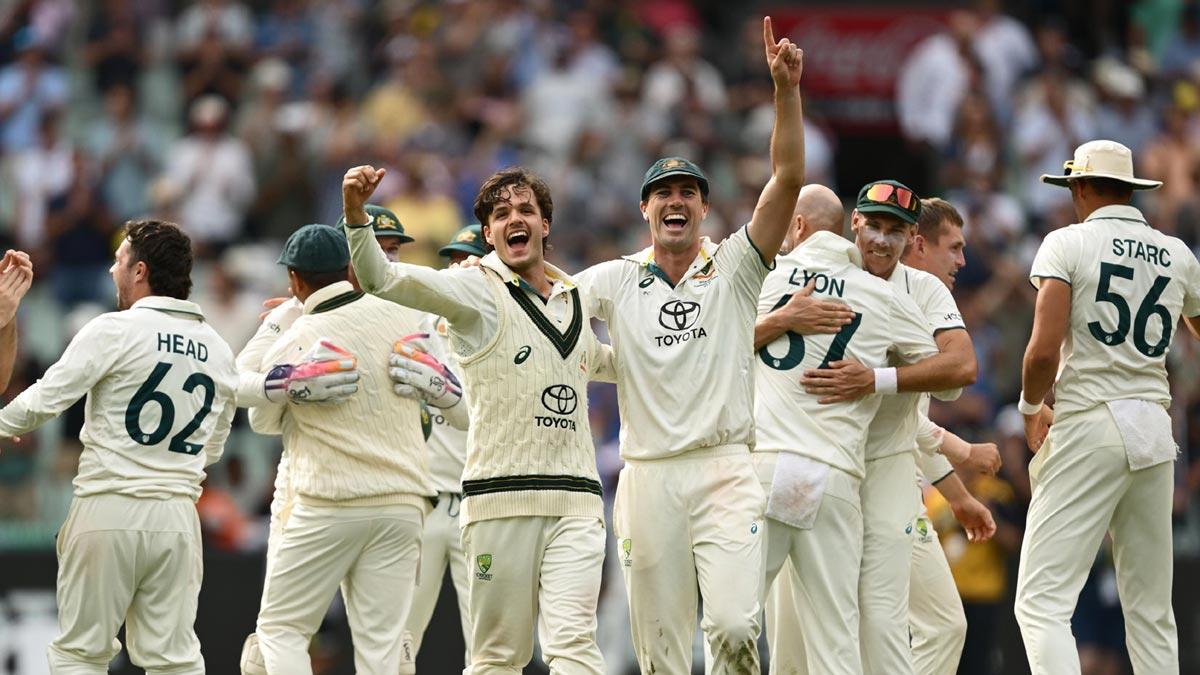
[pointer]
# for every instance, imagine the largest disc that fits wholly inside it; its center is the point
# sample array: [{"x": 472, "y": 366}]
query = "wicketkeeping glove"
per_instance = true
[
  {"x": 417, "y": 374},
  {"x": 326, "y": 374}
]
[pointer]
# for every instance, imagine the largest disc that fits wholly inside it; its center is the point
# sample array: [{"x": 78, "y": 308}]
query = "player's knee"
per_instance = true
[
  {"x": 252, "y": 660},
  {"x": 730, "y": 635}
]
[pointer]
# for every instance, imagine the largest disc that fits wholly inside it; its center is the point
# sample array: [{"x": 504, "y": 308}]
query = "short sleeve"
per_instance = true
[
  {"x": 1054, "y": 259},
  {"x": 912, "y": 339},
  {"x": 941, "y": 311},
  {"x": 598, "y": 286},
  {"x": 739, "y": 258},
  {"x": 1191, "y": 292}
]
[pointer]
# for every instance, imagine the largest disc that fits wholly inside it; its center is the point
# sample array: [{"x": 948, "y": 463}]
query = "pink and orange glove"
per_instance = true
[
  {"x": 417, "y": 374},
  {"x": 326, "y": 374}
]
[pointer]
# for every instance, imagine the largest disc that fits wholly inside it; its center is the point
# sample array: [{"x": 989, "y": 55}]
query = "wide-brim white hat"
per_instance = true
[{"x": 1101, "y": 159}]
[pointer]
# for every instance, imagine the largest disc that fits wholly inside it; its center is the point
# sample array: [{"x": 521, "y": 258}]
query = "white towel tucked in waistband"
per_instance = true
[
  {"x": 1146, "y": 429},
  {"x": 796, "y": 490}
]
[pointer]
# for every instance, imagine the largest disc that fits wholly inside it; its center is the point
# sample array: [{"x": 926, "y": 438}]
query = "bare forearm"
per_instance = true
[
  {"x": 787, "y": 138},
  {"x": 1037, "y": 373},
  {"x": 767, "y": 328},
  {"x": 8, "y": 353},
  {"x": 948, "y": 370}
]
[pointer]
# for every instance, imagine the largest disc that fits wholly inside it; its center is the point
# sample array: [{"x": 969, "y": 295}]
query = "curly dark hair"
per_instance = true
[
  {"x": 167, "y": 252},
  {"x": 496, "y": 187}
]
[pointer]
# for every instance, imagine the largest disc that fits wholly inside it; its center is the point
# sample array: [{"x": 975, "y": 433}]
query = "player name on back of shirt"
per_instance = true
[{"x": 178, "y": 344}]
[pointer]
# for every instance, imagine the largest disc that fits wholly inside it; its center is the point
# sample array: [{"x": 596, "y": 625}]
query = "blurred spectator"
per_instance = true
[
  {"x": 229, "y": 306},
  {"x": 1006, "y": 51},
  {"x": 424, "y": 207},
  {"x": 1183, "y": 50},
  {"x": 286, "y": 193},
  {"x": 1049, "y": 125},
  {"x": 339, "y": 138},
  {"x": 933, "y": 80},
  {"x": 560, "y": 104},
  {"x": 980, "y": 569},
  {"x": 28, "y": 88},
  {"x": 255, "y": 122},
  {"x": 393, "y": 107},
  {"x": 682, "y": 80},
  {"x": 127, "y": 147},
  {"x": 115, "y": 50},
  {"x": 1174, "y": 158},
  {"x": 213, "y": 40},
  {"x": 209, "y": 178},
  {"x": 80, "y": 235},
  {"x": 1123, "y": 116},
  {"x": 41, "y": 172},
  {"x": 286, "y": 32}
]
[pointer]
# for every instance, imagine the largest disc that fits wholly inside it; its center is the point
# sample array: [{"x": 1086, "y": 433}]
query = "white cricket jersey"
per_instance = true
[
  {"x": 1129, "y": 284},
  {"x": 886, "y": 322},
  {"x": 367, "y": 450},
  {"x": 447, "y": 445},
  {"x": 684, "y": 354},
  {"x": 252, "y": 380},
  {"x": 894, "y": 429},
  {"x": 160, "y": 386}
]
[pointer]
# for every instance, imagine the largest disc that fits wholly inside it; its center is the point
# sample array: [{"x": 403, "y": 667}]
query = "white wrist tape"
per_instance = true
[
  {"x": 1027, "y": 408},
  {"x": 885, "y": 381}
]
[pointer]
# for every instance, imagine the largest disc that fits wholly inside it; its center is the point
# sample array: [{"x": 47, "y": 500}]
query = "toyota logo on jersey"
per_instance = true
[
  {"x": 560, "y": 399},
  {"x": 678, "y": 314}
]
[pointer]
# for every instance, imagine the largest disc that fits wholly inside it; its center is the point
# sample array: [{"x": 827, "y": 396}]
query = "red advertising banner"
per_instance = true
[{"x": 852, "y": 57}]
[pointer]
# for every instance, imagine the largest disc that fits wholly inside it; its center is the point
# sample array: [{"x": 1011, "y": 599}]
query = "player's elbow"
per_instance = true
[{"x": 1040, "y": 360}]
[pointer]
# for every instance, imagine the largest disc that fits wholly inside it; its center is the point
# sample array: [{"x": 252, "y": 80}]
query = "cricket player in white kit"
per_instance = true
[
  {"x": 935, "y": 610},
  {"x": 882, "y": 218},
  {"x": 1111, "y": 291},
  {"x": 680, "y": 315},
  {"x": 160, "y": 387},
  {"x": 357, "y": 472},
  {"x": 441, "y": 543},
  {"x": 532, "y": 517}
]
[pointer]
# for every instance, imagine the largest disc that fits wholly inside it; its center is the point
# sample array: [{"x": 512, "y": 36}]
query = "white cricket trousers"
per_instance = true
[
  {"x": 1082, "y": 488},
  {"x": 441, "y": 546},
  {"x": 527, "y": 569},
  {"x": 891, "y": 503},
  {"x": 935, "y": 612},
  {"x": 135, "y": 561},
  {"x": 371, "y": 551},
  {"x": 684, "y": 521},
  {"x": 821, "y": 610}
]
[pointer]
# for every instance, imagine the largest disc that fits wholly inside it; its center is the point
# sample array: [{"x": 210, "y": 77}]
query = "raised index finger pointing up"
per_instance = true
[{"x": 768, "y": 32}]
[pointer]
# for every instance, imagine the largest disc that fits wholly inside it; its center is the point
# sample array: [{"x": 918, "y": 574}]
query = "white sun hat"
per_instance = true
[{"x": 1101, "y": 159}]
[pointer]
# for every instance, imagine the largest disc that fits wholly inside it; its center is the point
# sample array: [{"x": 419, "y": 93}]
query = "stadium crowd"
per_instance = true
[{"x": 238, "y": 120}]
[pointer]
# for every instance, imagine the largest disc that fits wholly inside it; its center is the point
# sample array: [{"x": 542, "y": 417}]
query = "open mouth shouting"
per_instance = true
[
  {"x": 517, "y": 241},
  {"x": 675, "y": 221}
]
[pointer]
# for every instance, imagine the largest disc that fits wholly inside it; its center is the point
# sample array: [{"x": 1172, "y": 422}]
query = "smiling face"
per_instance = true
[
  {"x": 674, "y": 207},
  {"x": 945, "y": 258},
  {"x": 516, "y": 228},
  {"x": 881, "y": 239}
]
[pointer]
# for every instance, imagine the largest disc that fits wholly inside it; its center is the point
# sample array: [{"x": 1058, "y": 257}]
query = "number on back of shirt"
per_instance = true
[
  {"x": 1147, "y": 307},
  {"x": 149, "y": 393},
  {"x": 796, "y": 348}
]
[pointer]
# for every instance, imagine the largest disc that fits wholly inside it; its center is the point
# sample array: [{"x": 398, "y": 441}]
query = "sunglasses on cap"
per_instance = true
[{"x": 885, "y": 193}]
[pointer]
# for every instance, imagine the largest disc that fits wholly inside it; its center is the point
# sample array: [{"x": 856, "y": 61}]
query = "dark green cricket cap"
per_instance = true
[
  {"x": 899, "y": 201},
  {"x": 383, "y": 222},
  {"x": 673, "y": 166},
  {"x": 316, "y": 249},
  {"x": 468, "y": 240}
]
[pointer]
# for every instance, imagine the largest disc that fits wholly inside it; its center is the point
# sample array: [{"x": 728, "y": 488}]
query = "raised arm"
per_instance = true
[
  {"x": 777, "y": 202},
  {"x": 16, "y": 275},
  {"x": 455, "y": 294}
]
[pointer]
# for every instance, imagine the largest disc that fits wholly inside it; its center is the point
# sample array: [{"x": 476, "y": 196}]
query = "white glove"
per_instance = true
[
  {"x": 416, "y": 374},
  {"x": 326, "y": 374}
]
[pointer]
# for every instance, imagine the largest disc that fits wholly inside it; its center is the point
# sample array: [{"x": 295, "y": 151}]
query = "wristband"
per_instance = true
[
  {"x": 885, "y": 381},
  {"x": 1027, "y": 408}
]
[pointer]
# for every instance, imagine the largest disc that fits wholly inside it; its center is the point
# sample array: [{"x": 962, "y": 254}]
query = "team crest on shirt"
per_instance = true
[
  {"x": 679, "y": 317},
  {"x": 483, "y": 563},
  {"x": 705, "y": 276},
  {"x": 923, "y": 529},
  {"x": 627, "y": 551}
]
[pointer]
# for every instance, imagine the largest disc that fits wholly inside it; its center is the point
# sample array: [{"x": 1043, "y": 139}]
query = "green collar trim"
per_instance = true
[
  {"x": 565, "y": 342},
  {"x": 337, "y": 301}
]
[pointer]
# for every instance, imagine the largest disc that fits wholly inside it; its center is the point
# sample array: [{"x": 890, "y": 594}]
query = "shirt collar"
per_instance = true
[
  {"x": 645, "y": 258},
  {"x": 559, "y": 280},
  {"x": 832, "y": 245},
  {"x": 1118, "y": 212},
  {"x": 326, "y": 293},
  {"x": 173, "y": 305}
]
